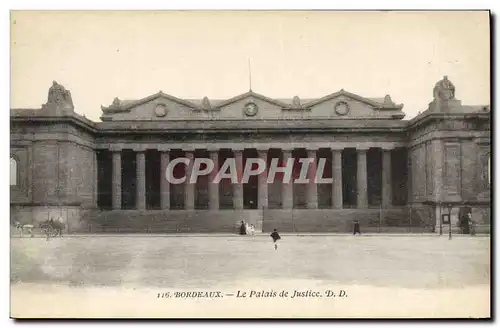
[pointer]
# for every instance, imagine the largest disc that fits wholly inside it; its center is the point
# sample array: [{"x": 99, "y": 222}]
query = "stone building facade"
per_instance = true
[{"x": 388, "y": 173}]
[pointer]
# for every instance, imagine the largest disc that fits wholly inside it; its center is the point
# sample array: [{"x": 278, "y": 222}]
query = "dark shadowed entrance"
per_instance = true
[{"x": 463, "y": 217}]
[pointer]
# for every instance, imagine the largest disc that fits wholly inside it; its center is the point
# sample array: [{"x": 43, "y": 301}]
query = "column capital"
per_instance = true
[
  {"x": 262, "y": 148},
  {"x": 187, "y": 148},
  {"x": 312, "y": 148},
  {"x": 286, "y": 148},
  {"x": 387, "y": 148},
  {"x": 212, "y": 148},
  {"x": 200, "y": 146},
  {"x": 363, "y": 149},
  {"x": 163, "y": 148},
  {"x": 139, "y": 148},
  {"x": 337, "y": 148},
  {"x": 237, "y": 149},
  {"x": 116, "y": 147}
]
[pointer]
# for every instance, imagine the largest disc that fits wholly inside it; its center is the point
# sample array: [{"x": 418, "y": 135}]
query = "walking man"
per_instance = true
[
  {"x": 356, "y": 228},
  {"x": 275, "y": 236}
]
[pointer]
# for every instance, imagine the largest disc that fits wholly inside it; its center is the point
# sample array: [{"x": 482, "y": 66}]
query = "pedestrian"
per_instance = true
[
  {"x": 275, "y": 236},
  {"x": 252, "y": 230},
  {"x": 472, "y": 229},
  {"x": 356, "y": 228},
  {"x": 243, "y": 228}
]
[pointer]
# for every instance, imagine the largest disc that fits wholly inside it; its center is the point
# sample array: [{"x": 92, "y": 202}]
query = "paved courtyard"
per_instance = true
[{"x": 413, "y": 264}]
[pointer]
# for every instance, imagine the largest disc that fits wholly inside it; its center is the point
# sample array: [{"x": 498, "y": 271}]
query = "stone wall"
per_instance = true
[
  {"x": 46, "y": 163},
  {"x": 451, "y": 167},
  {"x": 482, "y": 218},
  {"x": 77, "y": 174},
  {"x": 482, "y": 181},
  {"x": 56, "y": 173},
  {"x": 54, "y": 167},
  {"x": 418, "y": 155}
]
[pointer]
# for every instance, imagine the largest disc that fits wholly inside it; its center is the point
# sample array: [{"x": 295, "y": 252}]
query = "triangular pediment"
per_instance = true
[
  {"x": 343, "y": 104},
  {"x": 251, "y": 105},
  {"x": 126, "y": 106},
  {"x": 367, "y": 101},
  {"x": 250, "y": 95}
]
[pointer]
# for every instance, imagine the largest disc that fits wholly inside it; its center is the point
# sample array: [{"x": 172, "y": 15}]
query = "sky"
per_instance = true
[{"x": 102, "y": 55}]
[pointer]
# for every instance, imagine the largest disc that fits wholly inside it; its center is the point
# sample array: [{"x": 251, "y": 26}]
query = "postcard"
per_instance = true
[{"x": 250, "y": 164}]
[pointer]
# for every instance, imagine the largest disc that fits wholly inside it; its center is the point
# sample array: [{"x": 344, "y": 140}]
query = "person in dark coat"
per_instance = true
[
  {"x": 275, "y": 236},
  {"x": 243, "y": 228},
  {"x": 356, "y": 228},
  {"x": 471, "y": 224}
]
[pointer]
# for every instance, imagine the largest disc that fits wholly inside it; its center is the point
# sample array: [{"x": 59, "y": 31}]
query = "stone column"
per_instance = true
[
  {"x": 141, "y": 180},
  {"x": 189, "y": 187},
  {"x": 386, "y": 178},
  {"x": 287, "y": 188},
  {"x": 95, "y": 190},
  {"x": 263, "y": 201},
  {"x": 337, "y": 196},
  {"x": 362, "y": 177},
  {"x": 213, "y": 188},
  {"x": 312, "y": 187},
  {"x": 164, "y": 184},
  {"x": 117, "y": 180},
  {"x": 238, "y": 187},
  {"x": 409, "y": 182}
]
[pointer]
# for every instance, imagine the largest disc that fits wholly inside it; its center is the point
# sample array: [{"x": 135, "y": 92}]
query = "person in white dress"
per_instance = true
[{"x": 251, "y": 230}]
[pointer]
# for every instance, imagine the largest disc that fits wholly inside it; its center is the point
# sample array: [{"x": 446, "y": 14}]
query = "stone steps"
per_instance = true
[
  {"x": 329, "y": 220},
  {"x": 165, "y": 222},
  {"x": 227, "y": 221}
]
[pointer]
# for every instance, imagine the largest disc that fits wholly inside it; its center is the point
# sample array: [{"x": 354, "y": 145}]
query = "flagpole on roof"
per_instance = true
[{"x": 250, "y": 74}]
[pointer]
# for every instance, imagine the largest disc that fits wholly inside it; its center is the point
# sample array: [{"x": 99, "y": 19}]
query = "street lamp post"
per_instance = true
[
  {"x": 450, "y": 206},
  {"x": 440, "y": 219}
]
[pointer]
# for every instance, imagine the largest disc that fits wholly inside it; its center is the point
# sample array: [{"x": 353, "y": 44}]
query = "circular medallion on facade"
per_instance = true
[
  {"x": 341, "y": 108},
  {"x": 251, "y": 109},
  {"x": 160, "y": 110}
]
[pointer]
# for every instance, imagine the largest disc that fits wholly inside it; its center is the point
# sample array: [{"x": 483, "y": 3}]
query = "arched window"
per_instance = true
[{"x": 13, "y": 171}]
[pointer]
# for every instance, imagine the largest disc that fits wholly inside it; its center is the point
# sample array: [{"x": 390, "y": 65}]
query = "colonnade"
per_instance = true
[{"x": 262, "y": 199}]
